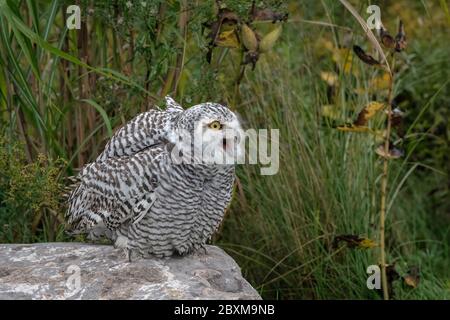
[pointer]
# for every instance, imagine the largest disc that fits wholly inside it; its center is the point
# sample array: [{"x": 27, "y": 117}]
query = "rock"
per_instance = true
[{"x": 86, "y": 271}]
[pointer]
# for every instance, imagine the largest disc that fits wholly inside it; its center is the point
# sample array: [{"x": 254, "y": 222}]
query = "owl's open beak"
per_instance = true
[
  {"x": 229, "y": 143},
  {"x": 224, "y": 143}
]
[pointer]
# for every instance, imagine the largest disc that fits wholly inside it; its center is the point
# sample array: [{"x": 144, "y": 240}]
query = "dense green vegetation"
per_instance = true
[{"x": 63, "y": 92}]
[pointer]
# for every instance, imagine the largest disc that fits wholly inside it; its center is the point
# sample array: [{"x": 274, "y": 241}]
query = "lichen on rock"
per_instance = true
[{"x": 86, "y": 271}]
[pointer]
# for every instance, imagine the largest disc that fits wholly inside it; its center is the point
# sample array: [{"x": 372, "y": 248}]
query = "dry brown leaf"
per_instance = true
[
  {"x": 386, "y": 39},
  {"x": 412, "y": 278},
  {"x": 364, "y": 57},
  {"x": 400, "y": 38},
  {"x": 368, "y": 32},
  {"x": 267, "y": 15}
]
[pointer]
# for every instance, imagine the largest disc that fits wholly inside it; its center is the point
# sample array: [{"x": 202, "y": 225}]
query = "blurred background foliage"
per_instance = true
[{"x": 63, "y": 92}]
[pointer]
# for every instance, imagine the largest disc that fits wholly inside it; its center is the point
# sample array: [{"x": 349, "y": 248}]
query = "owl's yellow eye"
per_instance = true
[{"x": 215, "y": 125}]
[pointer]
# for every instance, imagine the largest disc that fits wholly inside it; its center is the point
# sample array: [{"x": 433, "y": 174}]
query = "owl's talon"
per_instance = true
[
  {"x": 203, "y": 249},
  {"x": 129, "y": 254}
]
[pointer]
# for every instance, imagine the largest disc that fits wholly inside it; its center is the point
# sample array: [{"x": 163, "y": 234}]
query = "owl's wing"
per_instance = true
[
  {"x": 115, "y": 190},
  {"x": 145, "y": 130}
]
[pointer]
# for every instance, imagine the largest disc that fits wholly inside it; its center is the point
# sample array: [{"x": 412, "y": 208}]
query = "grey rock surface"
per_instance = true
[{"x": 86, "y": 271}]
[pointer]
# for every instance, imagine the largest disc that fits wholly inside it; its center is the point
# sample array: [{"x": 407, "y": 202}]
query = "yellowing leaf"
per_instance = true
[
  {"x": 354, "y": 241},
  {"x": 380, "y": 135},
  {"x": 344, "y": 59},
  {"x": 322, "y": 46},
  {"x": 329, "y": 77},
  {"x": 227, "y": 39},
  {"x": 368, "y": 112},
  {"x": 360, "y": 91},
  {"x": 367, "y": 244},
  {"x": 381, "y": 83},
  {"x": 353, "y": 128},
  {"x": 327, "y": 44},
  {"x": 330, "y": 111}
]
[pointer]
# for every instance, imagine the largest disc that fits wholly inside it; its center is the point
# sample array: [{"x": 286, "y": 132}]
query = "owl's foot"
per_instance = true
[
  {"x": 129, "y": 254},
  {"x": 201, "y": 249}
]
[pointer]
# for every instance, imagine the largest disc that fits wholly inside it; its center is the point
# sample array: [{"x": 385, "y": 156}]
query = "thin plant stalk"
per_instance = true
[{"x": 384, "y": 185}]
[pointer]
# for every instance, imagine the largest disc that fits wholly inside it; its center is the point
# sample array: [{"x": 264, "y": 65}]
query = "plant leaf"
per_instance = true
[
  {"x": 412, "y": 278},
  {"x": 381, "y": 83},
  {"x": 400, "y": 38},
  {"x": 367, "y": 244},
  {"x": 368, "y": 32},
  {"x": 329, "y": 77},
  {"x": 354, "y": 241},
  {"x": 103, "y": 113},
  {"x": 367, "y": 113},
  {"x": 353, "y": 128},
  {"x": 386, "y": 39},
  {"x": 227, "y": 39},
  {"x": 267, "y": 14},
  {"x": 364, "y": 57},
  {"x": 393, "y": 153}
]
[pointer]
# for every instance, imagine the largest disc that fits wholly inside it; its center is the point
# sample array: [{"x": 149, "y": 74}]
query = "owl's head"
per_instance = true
[{"x": 210, "y": 133}]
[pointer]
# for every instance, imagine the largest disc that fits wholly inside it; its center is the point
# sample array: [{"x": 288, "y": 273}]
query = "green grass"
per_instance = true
[
  {"x": 281, "y": 231},
  {"x": 280, "y": 228}
]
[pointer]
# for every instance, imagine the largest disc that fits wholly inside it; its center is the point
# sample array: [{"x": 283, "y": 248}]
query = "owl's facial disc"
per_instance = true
[
  {"x": 220, "y": 140},
  {"x": 210, "y": 133}
]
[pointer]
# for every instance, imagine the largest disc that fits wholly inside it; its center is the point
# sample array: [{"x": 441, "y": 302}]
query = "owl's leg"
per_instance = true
[
  {"x": 121, "y": 242},
  {"x": 129, "y": 254}
]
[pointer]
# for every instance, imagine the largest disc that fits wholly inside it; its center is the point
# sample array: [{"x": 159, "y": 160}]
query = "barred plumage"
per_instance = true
[{"x": 135, "y": 194}]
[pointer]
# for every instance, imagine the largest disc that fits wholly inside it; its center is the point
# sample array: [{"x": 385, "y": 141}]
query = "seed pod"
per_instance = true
[
  {"x": 386, "y": 39},
  {"x": 269, "y": 39},
  {"x": 249, "y": 38},
  {"x": 400, "y": 38}
]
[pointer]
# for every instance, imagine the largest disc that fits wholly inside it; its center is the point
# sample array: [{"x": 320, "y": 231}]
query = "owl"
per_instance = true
[{"x": 148, "y": 201}]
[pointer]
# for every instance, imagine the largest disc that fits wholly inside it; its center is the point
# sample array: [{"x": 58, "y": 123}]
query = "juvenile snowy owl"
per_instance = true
[{"x": 136, "y": 194}]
